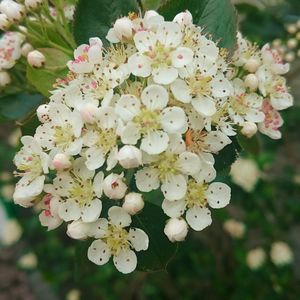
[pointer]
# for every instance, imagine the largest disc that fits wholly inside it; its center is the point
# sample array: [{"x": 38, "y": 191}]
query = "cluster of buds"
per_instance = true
[{"x": 149, "y": 113}]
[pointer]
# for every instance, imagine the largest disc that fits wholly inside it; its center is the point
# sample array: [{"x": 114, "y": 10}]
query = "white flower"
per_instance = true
[
  {"x": 160, "y": 53},
  {"x": 36, "y": 59},
  {"x": 32, "y": 163},
  {"x": 199, "y": 195},
  {"x": 13, "y": 10},
  {"x": 170, "y": 169},
  {"x": 86, "y": 56},
  {"x": 281, "y": 254},
  {"x": 176, "y": 230},
  {"x": 114, "y": 240},
  {"x": 5, "y": 78},
  {"x": 235, "y": 228},
  {"x": 256, "y": 258},
  {"x": 150, "y": 119},
  {"x": 63, "y": 132},
  {"x": 114, "y": 186},
  {"x": 80, "y": 191},
  {"x": 245, "y": 173},
  {"x": 272, "y": 122},
  {"x": 28, "y": 261},
  {"x": 122, "y": 30},
  {"x": 129, "y": 157},
  {"x": 133, "y": 203}
]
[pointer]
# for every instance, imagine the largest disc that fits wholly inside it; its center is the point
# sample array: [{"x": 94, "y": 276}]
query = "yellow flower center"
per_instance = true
[
  {"x": 148, "y": 120},
  {"x": 196, "y": 194},
  {"x": 239, "y": 104},
  {"x": 82, "y": 191},
  {"x": 116, "y": 239},
  {"x": 32, "y": 165},
  {"x": 195, "y": 141},
  {"x": 199, "y": 84},
  {"x": 63, "y": 136},
  {"x": 166, "y": 164},
  {"x": 160, "y": 55},
  {"x": 107, "y": 139}
]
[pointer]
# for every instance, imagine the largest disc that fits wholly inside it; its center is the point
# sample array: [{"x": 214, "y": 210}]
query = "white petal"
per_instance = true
[
  {"x": 139, "y": 65},
  {"x": 69, "y": 210},
  {"x": 189, "y": 163},
  {"x": 80, "y": 169},
  {"x": 173, "y": 209},
  {"x": 97, "y": 184},
  {"x": 281, "y": 101},
  {"x": 91, "y": 211},
  {"x": 112, "y": 159},
  {"x": 119, "y": 217},
  {"x": 164, "y": 74},
  {"x": 145, "y": 41},
  {"x": 176, "y": 143},
  {"x": 130, "y": 134},
  {"x": 125, "y": 261},
  {"x": 182, "y": 57},
  {"x": 216, "y": 140},
  {"x": 74, "y": 148},
  {"x": 204, "y": 106},
  {"x": 127, "y": 107},
  {"x": 111, "y": 36},
  {"x": 98, "y": 228},
  {"x": 99, "y": 253},
  {"x": 106, "y": 117},
  {"x": 218, "y": 195},
  {"x": 155, "y": 97},
  {"x": 174, "y": 187},
  {"x": 198, "y": 218},
  {"x": 181, "y": 91},
  {"x": 169, "y": 34},
  {"x": 221, "y": 87},
  {"x": 94, "y": 158},
  {"x": 155, "y": 142},
  {"x": 147, "y": 179},
  {"x": 173, "y": 119},
  {"x": 138, "y": 239}
]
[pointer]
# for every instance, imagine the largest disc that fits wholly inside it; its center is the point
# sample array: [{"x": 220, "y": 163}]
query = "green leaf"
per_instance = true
[
  {"x": 151, "y": 4},
  {"x": 55, "y": 67},
  {"x": 217, "y": 17},
  {"x": 251, "y": 145},
  {"x": 18, "y": 106},
  {"x": 161, "y": 251},
  {"x": 93, "y": 18},
  {"x": 227, "y": 156}
]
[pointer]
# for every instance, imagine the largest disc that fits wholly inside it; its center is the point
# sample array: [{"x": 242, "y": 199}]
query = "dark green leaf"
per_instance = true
[
  {"x": 93, "y": 18},
  {"x": 55, "y": 67},
  {"x": 251, "y": 145},
  {"x": 152, "y": 220},
  {"x": 227, "y": 156},
  {"x": 217, "y": 17}
]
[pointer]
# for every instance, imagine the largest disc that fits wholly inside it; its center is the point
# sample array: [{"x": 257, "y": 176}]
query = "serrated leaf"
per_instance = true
[
  {"x": 55, "y": 67},
  {"x": 251, "y": 145},
  {"x": 161, "y": 251},
  {"x": 93, "y": 18},
  {"x": 217, "y": 17}
]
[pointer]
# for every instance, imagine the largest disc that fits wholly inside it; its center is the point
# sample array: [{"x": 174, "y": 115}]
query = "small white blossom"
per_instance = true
[
  {"x": 133, "y": 203},
  {"x": 13, "y": 10},
  {"x": 281, "y": 254},
  {"x": 114, "y": 186},
  {"x": 176, "y": 230}
]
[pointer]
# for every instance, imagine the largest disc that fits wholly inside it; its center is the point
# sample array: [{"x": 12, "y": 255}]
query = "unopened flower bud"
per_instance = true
[
  {"x": 252, "y": 65},
  {"x": 133, "y": 203},
  {"x": 78, "y": 230},
  {"x": 4, "y": 22},
  {"x": 36, "y": 59},
  {"x": 4, "y": 78},
  {"x": 123, "y": 28},
  {"x": 61, "y": 162},
  {"x": 88, "y": 113},
  {"x": 249, "y": 129},
  {"x": 33, "y": 4},
  {"x": 251, "y": 82},
  {"x": 289, "y": 57},
  {"x": 176, "y": 229},
  {"x": 292, "y": 28},
  {"x": 184, "y": 18},
  {"x": 26, "y": 48},
  {"x": 13, "y": 10},
  {"x": 114, "y": 186},
  {"x": 43, "y": 113},
  {"x": 129, "y": 157},
  {"x": 292, "y": 43}
]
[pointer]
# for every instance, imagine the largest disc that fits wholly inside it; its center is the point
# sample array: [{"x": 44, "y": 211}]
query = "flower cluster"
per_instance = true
[{"x": 148, "y": 113}]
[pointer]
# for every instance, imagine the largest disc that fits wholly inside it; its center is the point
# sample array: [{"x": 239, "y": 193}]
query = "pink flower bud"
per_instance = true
[
  {"x": 4, "y": 78},
  {"x": 176, "y": 229},
  {"x": 4, "y": 22},
  {"x": 252, "y": 65},
  {"x": 123, "y": 28},
  {"x": 184, "y": 18},
  {"x": 133, "y": 203},
  {"x": 249, "y": 129},
  {"x": 129, "y": 157},
  {"x": 13, "y": 10},
  {"x": 43, "y": 113},
  {"x": 251, "y": 82},
  {"x": 36, "y": 59},
  {"x": 26, "y": 48},
  {"x": 61, "y": 162},
  {"x": 114, "y": 186}
]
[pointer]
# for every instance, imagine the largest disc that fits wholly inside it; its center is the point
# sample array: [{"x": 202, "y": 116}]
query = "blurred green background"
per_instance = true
[{"x": 251, "y": 251}]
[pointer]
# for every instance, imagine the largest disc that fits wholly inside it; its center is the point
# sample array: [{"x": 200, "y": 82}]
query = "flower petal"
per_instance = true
[
  {"x": 145, "y": 41},
  {"x": 169, "y": 34},
  {"x": 204, "y": 106},
  {"x": 182, "y": 57},
  {"x": 218, "y": 195},
  {"x": 127, "y": 107},
  {"x": 125, "y": 261},
  {"x": 69, "y": 210},
  {"x": 198, "y": 218},
  {"x": 139, "y": 65},
  {"x": 174, "y": 209},
  {"x": 155, "y": 142},
  {"x": 130, "y": 134},
  {"x": 181, "y": 91},
  {"x": 174, "y": 187},
  {"x": 173, "y": 119},
  {"x": 99, "y": 253},
  {"x": 94, "y": 158},
  {"x": 217, "y": 140},
  {"x": 119, "y": 217},
  {"x": 164, "y": 74},
  {"x": 147, "y": 179},
  {"x": 155, "y": 97},
  {"x": 138, "y": 239},
  {"x": 189, "y": 163},
  {"x": 91, "y": 211}
]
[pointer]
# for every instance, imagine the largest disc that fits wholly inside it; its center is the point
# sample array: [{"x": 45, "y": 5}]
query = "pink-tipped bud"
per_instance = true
[
  {"x": 36, "y": 59},
  {"x": 133, "y": 203},
  {"x": 129, "y": 157},
  {"x": 252, "y": 65},
  {"x": 4, "y": 78},
  {"x": 251, "y": 82},
  {"x": 176, "y": 230},
  {"x": 26, "y": 48},
  {"x": 13, "y": 10},
  {"x": 184, "y": 18},
  {"x": 114, "y": 186},
  {"x": 43, "y": 113},
  {"x": 249, "y": 129},
  {"x": 61, "y": 162},
  {"x": 123, "y": 28}
]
